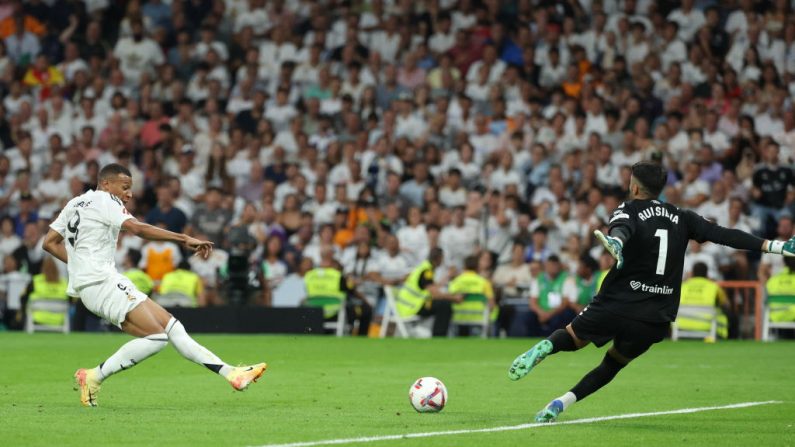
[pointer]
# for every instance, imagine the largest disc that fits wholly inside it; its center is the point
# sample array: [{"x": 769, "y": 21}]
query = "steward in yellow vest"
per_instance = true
[
  {"x": 477, "y": 291},
  {"x": 329, "y": 288},
  {"x": 326, "y": 288},
  {"x": 48, "y": 285},
  {"x": 702, "y": 291},
  {"x": 421, "y": 296},
  {"x": 185, "y": 282},
  {"x": 141, "y": 280},
  {"x": 781, "y": 293}
]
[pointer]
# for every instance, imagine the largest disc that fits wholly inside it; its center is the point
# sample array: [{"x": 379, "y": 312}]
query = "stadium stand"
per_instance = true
[{"x": 279, "y": 128}]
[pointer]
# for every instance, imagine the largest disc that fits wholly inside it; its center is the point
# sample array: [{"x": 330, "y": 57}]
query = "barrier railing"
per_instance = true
[{"x": 749, "y": 290}]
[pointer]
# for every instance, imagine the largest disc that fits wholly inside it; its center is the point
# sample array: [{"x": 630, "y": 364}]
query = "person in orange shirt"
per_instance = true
[
  {"x": 343, "y": 235},
  {"x": 42, "y": 76},
  {"x": 159, "y": 257},
  {"x": 572, "y": 85},
  {"x": 9, "y": 25},
  {"x": 581, "y": 59}
]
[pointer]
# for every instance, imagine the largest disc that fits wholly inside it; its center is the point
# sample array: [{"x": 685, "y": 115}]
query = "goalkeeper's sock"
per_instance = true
[
  {"x": 193, "y": 351},
  {"x": 567, "y": 399},
  {"x": 597, "y": 378},
  {"x": 131, "y": 354}
]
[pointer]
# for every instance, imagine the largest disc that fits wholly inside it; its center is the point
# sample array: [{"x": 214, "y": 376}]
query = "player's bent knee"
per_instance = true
[
  {"x": 618, "y": 357},
  {"x": 160, "y": 339},
  {"x": 578, "y": 343}
]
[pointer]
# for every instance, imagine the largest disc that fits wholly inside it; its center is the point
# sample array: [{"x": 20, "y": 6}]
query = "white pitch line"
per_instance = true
[{"x": 367, "y": 439}]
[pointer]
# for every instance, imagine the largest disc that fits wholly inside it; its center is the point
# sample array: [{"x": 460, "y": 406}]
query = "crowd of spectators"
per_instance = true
[{"x": 384, "y": 128}]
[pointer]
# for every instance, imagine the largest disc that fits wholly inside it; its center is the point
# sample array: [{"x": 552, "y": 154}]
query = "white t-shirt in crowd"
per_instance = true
[{"x": 414, "y": 242}]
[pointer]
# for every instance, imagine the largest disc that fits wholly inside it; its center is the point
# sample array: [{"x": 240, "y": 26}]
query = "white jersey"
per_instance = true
[{"x": 90, "y": 225}]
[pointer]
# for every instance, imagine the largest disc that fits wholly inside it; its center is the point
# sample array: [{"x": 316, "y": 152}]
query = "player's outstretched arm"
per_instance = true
[
  {"x": 152, "y": 233},
  {"x": 53, "y": 244}
]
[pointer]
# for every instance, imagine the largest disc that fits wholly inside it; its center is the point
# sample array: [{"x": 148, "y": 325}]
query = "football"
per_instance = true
[{"x": 428, "y": 395}]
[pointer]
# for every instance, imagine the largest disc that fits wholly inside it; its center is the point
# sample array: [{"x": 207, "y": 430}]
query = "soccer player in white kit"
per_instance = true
[{"x": 84, "y": 237}]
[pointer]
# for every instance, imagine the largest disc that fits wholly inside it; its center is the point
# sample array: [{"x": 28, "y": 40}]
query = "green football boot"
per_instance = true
[
  {"x": 525, "y": 362},
  {"x": 550, "y": 412}
]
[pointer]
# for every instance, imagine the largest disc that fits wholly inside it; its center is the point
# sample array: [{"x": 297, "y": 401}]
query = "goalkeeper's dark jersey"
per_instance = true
[{"x": 647, "y": 287}]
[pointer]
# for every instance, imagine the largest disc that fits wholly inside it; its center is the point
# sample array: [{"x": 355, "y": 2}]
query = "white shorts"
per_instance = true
[{"x": 112, "y": 299}]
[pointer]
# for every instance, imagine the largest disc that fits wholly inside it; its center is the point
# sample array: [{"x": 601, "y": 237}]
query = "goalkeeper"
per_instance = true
[{"x": 639, "y": 297}]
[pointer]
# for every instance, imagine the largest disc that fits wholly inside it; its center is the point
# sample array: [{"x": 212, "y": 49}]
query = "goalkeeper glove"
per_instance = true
[
  {"x": 784, "y": 248},
  {"x": 614, "y": 246}
]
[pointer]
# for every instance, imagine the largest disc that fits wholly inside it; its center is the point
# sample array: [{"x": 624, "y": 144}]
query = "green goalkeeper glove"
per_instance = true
[
  {"x": 614, "y": 246},
  {"x": 784, "y": 248}
]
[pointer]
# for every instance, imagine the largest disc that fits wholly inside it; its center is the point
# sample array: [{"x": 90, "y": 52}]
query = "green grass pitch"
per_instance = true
[{"x": 320, "y": 388}]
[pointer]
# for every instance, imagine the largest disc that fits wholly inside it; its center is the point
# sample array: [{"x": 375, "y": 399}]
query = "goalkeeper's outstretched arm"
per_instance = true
[{"x": 703, "y": 230}]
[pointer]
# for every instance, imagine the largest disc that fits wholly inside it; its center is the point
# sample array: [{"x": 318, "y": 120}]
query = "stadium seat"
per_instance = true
[
  {"x": 403, "y": 326},
  {"x": 767, "y": 325},
  {"x": 290, "y": 292},
  {"x": 696, "y": 313},
  {"x": 338, "y": 325},
  {"x": 472, "y": 317},
  {"x": 59, "y": 306}
]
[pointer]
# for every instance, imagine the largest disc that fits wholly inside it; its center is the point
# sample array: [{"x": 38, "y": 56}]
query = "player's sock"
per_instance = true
[
  {"x": 597, "y": 378},
  {"x": 193, "y": 351},
  {"x": 562, "y": 341},
  {"x": 132, "y": 353}
]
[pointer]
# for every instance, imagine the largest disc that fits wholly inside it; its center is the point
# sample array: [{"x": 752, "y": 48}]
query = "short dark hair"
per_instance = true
[
  {"x": 436, "y": 255},
  {"x": 700, "y": 270},
  {"x": 651, "y": 176},
  {"x": 471, "y": 263},
  {"x": 112, "y": 170},
  {"x": 135, "y": 256},
  {"x": 589, "y": 262}
]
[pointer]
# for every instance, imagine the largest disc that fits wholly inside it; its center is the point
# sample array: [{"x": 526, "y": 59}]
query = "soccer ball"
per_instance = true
[{"x": 428, "y": 395}]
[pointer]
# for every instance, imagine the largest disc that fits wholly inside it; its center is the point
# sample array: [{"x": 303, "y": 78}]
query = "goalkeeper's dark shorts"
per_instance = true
[{"x": 631, "y": 338}]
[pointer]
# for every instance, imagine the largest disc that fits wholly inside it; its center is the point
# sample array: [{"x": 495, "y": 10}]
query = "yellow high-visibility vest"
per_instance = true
[
  {"x": 781, "y": 296},
  {"x": 411, "y": 297},
  {"x": 600, "y": 278},
  {"x": 183, "y": 282},
  {"x": 141, "y": 280},
  {"x": 42, "y": 289},
  {"x": 476, "y": 290},
  {"x": 699, "y": 291},
  {"x": 323, "y": 290}
]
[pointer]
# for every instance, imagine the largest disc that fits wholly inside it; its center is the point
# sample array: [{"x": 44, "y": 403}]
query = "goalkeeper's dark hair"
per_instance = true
[
  {"x": 113, "y": 170},
  {"x": 789, "y": 262},
  {"x": 650, "y": 176}
]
